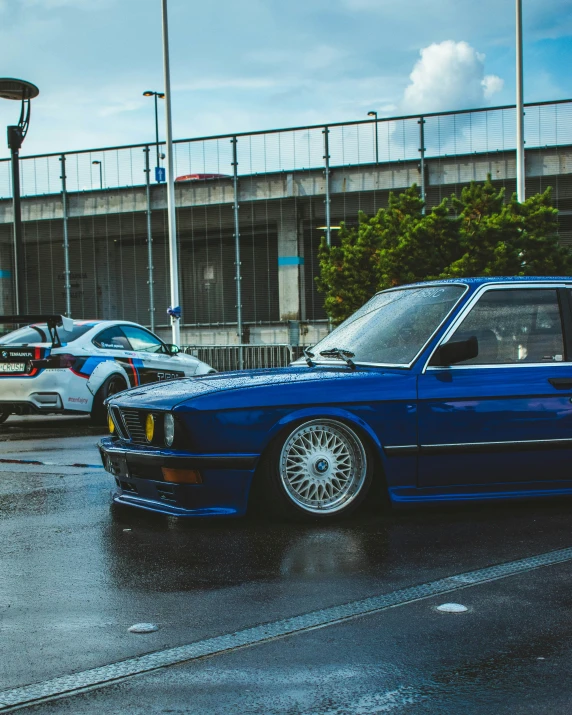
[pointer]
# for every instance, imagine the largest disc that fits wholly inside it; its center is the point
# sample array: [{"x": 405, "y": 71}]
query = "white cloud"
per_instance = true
[
  {"x": 491, "y": 85},
  {"x": 449, "y": 75}
]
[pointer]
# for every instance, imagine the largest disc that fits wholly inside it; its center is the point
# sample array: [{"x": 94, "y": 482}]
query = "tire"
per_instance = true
[
  {"x": 321, "y": 471},
  {"x": 4, "y": 414},
  {"x": 113, "y": 384}
]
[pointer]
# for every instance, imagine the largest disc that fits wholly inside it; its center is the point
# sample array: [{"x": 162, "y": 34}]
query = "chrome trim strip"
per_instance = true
[
  {"x": 402, "y": 450},
  {"x": 500, "y": 365},
  {"x": 469, "y": 305},
  {"x": 509, "y": 445},
  {"x": 407, "y": 450}
]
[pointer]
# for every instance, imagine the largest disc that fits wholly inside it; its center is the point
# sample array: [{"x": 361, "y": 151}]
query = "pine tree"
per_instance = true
[
  {"x": 478, "y": 234},
  {"x": 347, "y": 275}
]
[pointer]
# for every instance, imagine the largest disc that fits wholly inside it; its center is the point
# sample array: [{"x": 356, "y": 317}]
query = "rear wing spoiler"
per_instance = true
[{"x": 52, "y": 320}]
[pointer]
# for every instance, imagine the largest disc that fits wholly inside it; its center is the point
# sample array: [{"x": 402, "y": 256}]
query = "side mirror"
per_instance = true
[
  {"x": 458, "y": 351},
  {"x": 172, "y": 349}
]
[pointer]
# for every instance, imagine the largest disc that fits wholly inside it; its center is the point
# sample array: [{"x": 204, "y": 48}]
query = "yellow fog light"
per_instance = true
[
  {"x": 150, "y": 428},
  {"x": 110, "y": 424}
]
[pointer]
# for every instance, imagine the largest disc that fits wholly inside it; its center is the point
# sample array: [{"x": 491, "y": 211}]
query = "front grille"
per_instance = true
[
  {"x": 134, "y": 422},
  {"x": 118, "y": 422}
]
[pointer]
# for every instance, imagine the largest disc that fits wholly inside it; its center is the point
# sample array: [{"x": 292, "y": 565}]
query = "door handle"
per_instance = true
[{"x": 561, "y": 383}]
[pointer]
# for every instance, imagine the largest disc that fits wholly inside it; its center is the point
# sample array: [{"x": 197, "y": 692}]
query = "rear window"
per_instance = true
[{"x": 40, "y": 334}]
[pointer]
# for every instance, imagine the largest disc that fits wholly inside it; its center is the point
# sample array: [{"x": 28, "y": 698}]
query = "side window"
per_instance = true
[
  {"x": 514, "y": 326},
  {"x": 142, "y": 340},
  {"x": 112, "y": 339}
]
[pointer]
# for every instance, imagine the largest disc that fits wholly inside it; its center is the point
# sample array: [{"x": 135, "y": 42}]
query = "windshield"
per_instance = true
[
  {"x": 393, "y": 326},
  {"x": 40, "y": 334}
]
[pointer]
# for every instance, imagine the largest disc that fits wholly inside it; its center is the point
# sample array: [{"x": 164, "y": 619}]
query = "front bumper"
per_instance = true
[{"x": 139, "y": 481}]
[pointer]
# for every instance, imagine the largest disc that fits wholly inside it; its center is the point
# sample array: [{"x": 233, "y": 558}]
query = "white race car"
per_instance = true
[{"x": 64, "y": 366}]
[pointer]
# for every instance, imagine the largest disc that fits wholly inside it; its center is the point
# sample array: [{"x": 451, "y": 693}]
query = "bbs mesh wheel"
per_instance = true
[{"x": 321, "y": 470}]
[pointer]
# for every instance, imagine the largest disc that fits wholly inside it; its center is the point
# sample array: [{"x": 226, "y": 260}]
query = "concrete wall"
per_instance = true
[{"x": 279, "y": 215}]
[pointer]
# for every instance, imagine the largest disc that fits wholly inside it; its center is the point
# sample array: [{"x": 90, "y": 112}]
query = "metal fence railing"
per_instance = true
[
  {"x": 381, "y": 140},
  {"x": 293, "y": 186},
  {"x": 227, "y": 357}
]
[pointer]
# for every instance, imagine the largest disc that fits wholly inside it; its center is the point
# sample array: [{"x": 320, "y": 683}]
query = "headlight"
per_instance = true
[
  {"x": 169, "y": 426},
  {"x": 110, "y": 424},
  {"x": 150, "y": 428}
]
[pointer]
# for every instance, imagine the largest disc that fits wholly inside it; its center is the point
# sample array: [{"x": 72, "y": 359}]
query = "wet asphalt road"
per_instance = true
[{"x": 75, "y": 574}]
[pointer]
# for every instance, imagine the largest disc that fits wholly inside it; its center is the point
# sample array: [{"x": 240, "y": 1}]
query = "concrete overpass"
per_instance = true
[{"x": 280, "y": 215}]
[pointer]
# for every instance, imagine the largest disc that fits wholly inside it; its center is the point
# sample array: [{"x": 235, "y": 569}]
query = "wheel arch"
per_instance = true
[
  {"x": 293, "y": 419},
  {"x": 102, "y": 371}
]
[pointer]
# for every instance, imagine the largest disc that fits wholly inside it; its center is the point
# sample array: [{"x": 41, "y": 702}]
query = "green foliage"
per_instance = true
[
  {"x": 347, "y": 272},
  {"x": 478, "y": 234}
]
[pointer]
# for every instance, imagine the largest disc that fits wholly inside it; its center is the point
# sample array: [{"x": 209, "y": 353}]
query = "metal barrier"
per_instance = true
[
  {"x": 226, "y": 357},
  {"x": 95, "y": 222}
]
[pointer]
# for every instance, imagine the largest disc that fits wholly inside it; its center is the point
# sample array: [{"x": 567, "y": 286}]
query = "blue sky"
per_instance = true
[{"x": 241, "y": 65}]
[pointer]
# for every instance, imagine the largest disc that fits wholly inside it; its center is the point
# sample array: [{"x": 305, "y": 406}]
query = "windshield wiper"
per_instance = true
[
  {"x": 308, "y": 355},
  {"x": 342, "y": 354}
]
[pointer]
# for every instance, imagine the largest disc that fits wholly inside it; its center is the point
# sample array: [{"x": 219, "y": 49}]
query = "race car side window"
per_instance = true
[
  {"x": 142, "y": 340},
  {"x": 112, "y": 339}
]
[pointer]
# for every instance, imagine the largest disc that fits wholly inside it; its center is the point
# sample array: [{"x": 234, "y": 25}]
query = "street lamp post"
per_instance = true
[
  {"x": 98, "y": 163},
  {"x": 175, "y": 309},
  {"x": 156, "y": 96},
  {"x": 19, "y": 90},
  {"x": 374, "y": 114},
  {"x": 520, "y": 170}
]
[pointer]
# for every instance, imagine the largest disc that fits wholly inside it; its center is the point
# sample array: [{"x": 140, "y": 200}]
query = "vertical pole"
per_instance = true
[
  {"x": 149, "y": 240},
  {"x": 157, "y": 131},
  {"x": 67, "y": 284},
  {"x": 101, "y": 175},
  {"x": 238, "y": 277},
  {"x": 173, "y": 259},
  {"x": 376, "y": 140},
  {"x": 421, "y": 123},
  {"x": 14, "y": 142},
  {"x": 326, "y": 133},
  {"x": 520, "y": 174}
]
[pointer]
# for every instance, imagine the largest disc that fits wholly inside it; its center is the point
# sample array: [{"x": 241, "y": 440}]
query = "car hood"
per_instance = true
[{"x": 170, "y": 394}]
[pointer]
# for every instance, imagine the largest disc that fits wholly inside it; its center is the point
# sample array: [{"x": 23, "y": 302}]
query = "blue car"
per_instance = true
[{"x": 455, "y": 390}]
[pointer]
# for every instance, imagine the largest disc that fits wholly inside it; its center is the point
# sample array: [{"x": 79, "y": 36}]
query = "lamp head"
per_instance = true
[
  {"x": 372, "y": 114},
  {"x": 148, "y": 93},
  {"x": 17, "y": 89}
]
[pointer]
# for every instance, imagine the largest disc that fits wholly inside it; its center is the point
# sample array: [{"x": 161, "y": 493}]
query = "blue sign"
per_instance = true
[{"x": 159, "y": 173}]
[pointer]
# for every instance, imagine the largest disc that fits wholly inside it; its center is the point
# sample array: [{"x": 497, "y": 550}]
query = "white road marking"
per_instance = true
[{"x": 68, "y": 685}]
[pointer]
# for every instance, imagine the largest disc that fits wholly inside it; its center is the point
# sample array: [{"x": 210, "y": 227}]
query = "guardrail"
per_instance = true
[{"x": 226, "y": 357}]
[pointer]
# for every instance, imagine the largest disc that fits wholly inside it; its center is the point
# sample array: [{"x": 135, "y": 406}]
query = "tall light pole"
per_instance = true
[
  {"x": 19, "y": 90},
  {"x": 175, "y": 309},
  {"x": 96, "y": 163},
  {"x": 520, "y": 169},
  {"x": 374, "y": 114},
  {"x": 156, "y": 96}
]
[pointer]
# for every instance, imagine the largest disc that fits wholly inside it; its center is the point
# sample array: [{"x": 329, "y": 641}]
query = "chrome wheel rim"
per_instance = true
[{"x": 323, "y": 466}]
